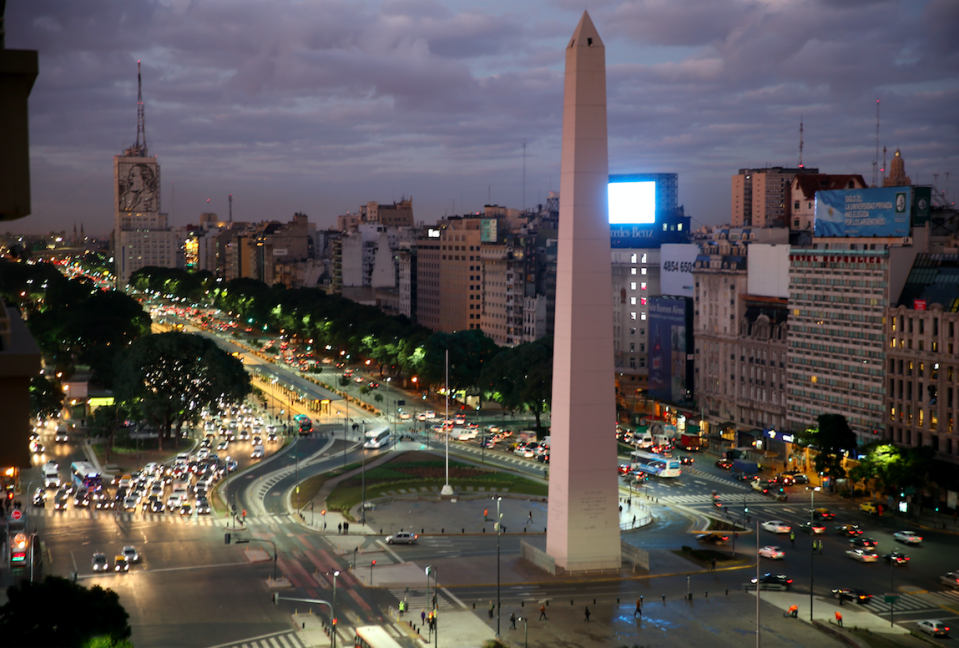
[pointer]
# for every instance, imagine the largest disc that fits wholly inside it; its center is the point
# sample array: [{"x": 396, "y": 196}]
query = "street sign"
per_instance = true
[
  {"x": 16, "y": 514},
  {"x": 891, "y": 598}
]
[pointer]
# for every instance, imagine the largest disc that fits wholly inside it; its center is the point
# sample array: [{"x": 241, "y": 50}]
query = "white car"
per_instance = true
[
  {"x": 402, "y": 538},
  {"x": 99, "y": 562},
  {"x": 257, "y": 452},
  {"x": 131, "y": 554},
  {"x": 776, "y": 526},
  {"x": 863, "y": 555},
  {"x": 430, "y": 414},
  {"x": 775, "y": 553},
  {"x": 404, "y": 416},
  {"x": 907, "y": 537},
  {"x": 935, "y": 628},
  {"x": 174, "y": 502}
]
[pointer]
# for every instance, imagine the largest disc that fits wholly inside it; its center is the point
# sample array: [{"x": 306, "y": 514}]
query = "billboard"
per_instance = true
[
  {"x": 670, "y": 348},
  {"x": 644, "y": 211},
  {"x": 863, "y": 212},
  {"x": 921, "y": 204},
  {"x": 632, "y": 203},
  {"x": 676, "y": 263},
  {"x": 488, "y": 229}
]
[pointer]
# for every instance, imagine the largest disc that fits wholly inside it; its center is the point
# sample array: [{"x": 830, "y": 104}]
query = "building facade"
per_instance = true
[{"x": 760, "y": 197}]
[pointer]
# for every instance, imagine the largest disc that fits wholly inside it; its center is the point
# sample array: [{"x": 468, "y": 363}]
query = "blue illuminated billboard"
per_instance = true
[{"x": 878, "y": 211}]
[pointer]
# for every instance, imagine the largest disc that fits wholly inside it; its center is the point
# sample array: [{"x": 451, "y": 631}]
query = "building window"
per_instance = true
[
  {"x": 632, "y": 258},
  {"x": 642, "y": 315},
  {"x": 632, "y": 316},
  {"x": 643, "y": 271},
  {"x": 642, "y": 285},
  {"x": 632, "y": 271},
  {"x": 644, "y": 258},
  {"x": 632, "y": 301},
  {"x": 632, "y": 285}
]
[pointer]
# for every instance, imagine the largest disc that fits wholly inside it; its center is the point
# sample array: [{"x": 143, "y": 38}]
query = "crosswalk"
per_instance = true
[
  {"x": 949, "y": 597},
  {"x": 906, "y": 603},
  {"x": 726, "y": 498},
  {"x": 285, "y": 639},
  {"x": 441, "y": 545},
  {"x": 417, "y": 600},
  {"x": 126, "y": 516}
]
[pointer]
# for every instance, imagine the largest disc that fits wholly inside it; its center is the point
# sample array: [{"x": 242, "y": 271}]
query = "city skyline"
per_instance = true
[{"x": 319, "y": 108}]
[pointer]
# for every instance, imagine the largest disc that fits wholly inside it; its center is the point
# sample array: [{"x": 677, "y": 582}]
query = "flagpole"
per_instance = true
[{"x": 447, "y": 489}]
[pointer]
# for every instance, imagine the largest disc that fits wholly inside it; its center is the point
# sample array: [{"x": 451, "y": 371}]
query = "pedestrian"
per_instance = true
[
  {"x": 346, "y": 527},
  {"x": 512, "y": 620},
  {"x": 339, "y": 528},
  {"x": 820, "y": 547},
  {"x": 792, "y": 537},
  {"x": 838, "y": 617},
  {"x": 542, "y": 613},
  {"x": 423, "y": 616},
  {"x": 714, "y": 564},
  {"x": 587, "y": 615},
  {"x": 793, "y": 611},
  {"x": 491, "y": 607},
  {"x": 530, "y": 517},
  {"x": 634, "y": 520},
  {"x": 639, "y": 609}
]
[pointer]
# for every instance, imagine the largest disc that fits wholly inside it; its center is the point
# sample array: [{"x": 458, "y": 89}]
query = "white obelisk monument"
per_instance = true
[{"x": 583, "y": 526}]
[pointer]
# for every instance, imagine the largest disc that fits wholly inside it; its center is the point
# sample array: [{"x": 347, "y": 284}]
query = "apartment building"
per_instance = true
[
  {"x": 449, "y": 271},
  {"x": 922, "y": 358},
  {"x": 802, "y": 195},
  {"x": 502, "y": 290},
  {"x": 636, "y": 279},
  {"x": 760, "y": 197}
]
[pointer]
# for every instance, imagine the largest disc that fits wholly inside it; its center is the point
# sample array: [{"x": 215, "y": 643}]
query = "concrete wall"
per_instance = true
[{"x": 768, "y": 270}]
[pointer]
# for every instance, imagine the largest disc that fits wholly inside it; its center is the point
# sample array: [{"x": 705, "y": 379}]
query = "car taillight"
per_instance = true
[{"x": 789, "y": 580}]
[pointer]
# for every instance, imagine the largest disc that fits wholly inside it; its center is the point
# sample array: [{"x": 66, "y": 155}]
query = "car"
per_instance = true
[
  {"x": 934, "y": 628},
  {"x": 131, "y": 554},
  {"x": 82, "y": 498},
  {"x": 104, "y": 504},
  {"x": 863, "y": 543},
  {"x": 271, "y": 437},
  {"x": 430, "y": 414},
  {"x": 359, "y": 380},
  {"x": 60, "y": 501},
  {"x": 257, "y": 452},
  {"x": 186, "y": 509},
  {"x": 174, "y": 502},
  {"x": 374, "y": 385},
  {"x": 404, "y": 416},
  {"x": 822, "y": 514},
  {"x": 870, "y": 507},
  {"x": 776, "y": 526},
  {"x": 156, "y": 506},
  {"x": 863, "y": 555},
  {"x": 202, "y": 506},
  {"x": 120, "y": 563},
  {"x": 62, "y": 437},
  {"x": 772, "y": 582},
  {"x": 775, "y": 553},
  {"x": 686, "y": 461},
  {"x": 40, "y": 498},
  {"x": 896, "y": 557},
  {"x": 99, "y": 562},
  {"x": 713, "y": 537},
  {"x": 222, "y": 445},
  {"x": 907, "y": 537},
  {"x": 852, "y": 594},
  {"x": 816, "y": 527},
  {"x": 849, "y": 530},
  {"x": 402, "y": 538},
  {"x": 623, "y": 468},
  {"x": 130, "y": 504},
  {"x": 950, "y": 578}
]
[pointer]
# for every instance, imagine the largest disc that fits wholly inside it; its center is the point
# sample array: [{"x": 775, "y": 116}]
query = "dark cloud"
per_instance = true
[{"x": 321, "y": 106}]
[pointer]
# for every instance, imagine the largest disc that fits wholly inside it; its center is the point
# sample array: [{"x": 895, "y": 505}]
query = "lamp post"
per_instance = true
[
  {"x": 333, "y": 632},
  {"x": 363, "y": 505},
  {"x": 429, "y": 570},
  {"x": 812, "y": 535},
  {"x": 525, "y": 621},
  {"x": 499, "y": 527}
]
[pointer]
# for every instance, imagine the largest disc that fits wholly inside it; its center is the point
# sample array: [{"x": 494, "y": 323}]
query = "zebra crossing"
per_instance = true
[
  {"x": 417, "y": 600},
  {"x": 441, "y": 545},
  {"x": 950, "y": 597},
  {"x": 906, "y": 603},
  {"x": 704, "y": 498},
  {"x": 126, "y": 516},
  {"x": 284, "y": 639}
]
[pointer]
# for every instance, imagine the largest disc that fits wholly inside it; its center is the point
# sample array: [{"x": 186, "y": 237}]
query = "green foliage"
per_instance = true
[
  {"x": 175, "y": 375},
  {"x": 469, "y": 351},
  {"x": 522, "y": 377},
  {"x": 831, "y": 439},
  {"x": 58, "y": 612},
  {"x": 46, "y": 397},
  {"x": 894, "y": 468}
]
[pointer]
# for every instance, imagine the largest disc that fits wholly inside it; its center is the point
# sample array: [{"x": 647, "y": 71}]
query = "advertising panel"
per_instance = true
[
  {"x": 676, "y": 269},
  {"x": 488, "y": 230},
  {"x": 863, "y": 212},
  {"x": 632, "y": 203},
  {"x": 669, "y": 348},
  {"x": 921, "y": 204}
]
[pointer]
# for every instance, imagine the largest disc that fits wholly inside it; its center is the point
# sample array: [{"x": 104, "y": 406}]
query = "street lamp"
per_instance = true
[
  {"x": 525, "y": 621},
  {"x": 499, "y": 527},
  {"x": 812, "y": 553},
  {"x": 333, "y": 631}
]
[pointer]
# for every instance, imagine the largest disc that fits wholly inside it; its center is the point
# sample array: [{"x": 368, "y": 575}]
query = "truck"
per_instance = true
[
  {"x": 690, "y": 442},
  {"x": 743, "y": 467}
]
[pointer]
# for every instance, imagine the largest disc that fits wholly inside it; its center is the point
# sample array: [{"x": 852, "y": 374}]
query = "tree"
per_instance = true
[
  {"x": 107, "y": 421},
  {"x": 46, "y": 398},
  {"x": 468, "y": 352},
  {"x": 175, "y": 375},
  {"x": 522, "y": 377},
  {"x": 831, "y": 439},
  {"x": 59, "y": 612},
  {"x": 894, "y": 468}
]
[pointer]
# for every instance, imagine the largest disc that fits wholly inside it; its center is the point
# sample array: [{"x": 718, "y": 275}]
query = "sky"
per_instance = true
[{"x": 320, "y": 106}]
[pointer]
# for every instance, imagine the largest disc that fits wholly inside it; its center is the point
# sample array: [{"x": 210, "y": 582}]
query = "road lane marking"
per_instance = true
[
  {"x": 169, "y": 569},
  {"x": 390, "y": 551}
]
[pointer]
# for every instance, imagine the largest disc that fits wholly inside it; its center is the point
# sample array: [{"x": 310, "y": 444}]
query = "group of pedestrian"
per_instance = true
[
  {"x": 343, "y": 528},
  {"x": 817, "y": 544}
]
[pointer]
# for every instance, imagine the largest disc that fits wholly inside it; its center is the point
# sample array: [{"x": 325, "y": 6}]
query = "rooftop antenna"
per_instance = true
[
  {"x": 173, "y": 196},
  {"x": 231, "y": 208},
  {"x": 883, "y": 165},
  {"x": 524, "y": 175},
  {"x": 141, "y": 119},
  {"x": 800, "y": 142},
  {"x": 875, "y": 163},
  {"x": 946, "y": 194}
]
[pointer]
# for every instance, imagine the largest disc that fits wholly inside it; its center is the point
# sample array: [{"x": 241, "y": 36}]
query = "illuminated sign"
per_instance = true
[
  {"x": 433, "y": 233},
  {"x": 632, "y": 203}
]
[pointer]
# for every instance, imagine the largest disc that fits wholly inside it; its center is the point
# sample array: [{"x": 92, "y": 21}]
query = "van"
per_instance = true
[
  {"x": 257, "y": 452},
  {"x": 51, "y": 478},
  {"x": 183, "y": 457}
]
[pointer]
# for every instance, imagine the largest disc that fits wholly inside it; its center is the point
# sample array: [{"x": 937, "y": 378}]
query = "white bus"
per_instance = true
[
  {"x": 86, "y": 476},
  {"x": 654, "y": 464},
  {"x": 377, "y": 438},
  {"x": 374, "y": 637}
]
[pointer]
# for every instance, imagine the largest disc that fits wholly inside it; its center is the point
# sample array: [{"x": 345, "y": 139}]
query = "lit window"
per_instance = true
[
  {"x": 643, "y": 271},
  {"x": 644, "y": 258},
  {"x": 632, "y": 301},
  {"x": 642, "y": 316},
  {"x": 642, "y": 286},
  {"x": 632, "y": 285},
  {"x": 632, "y": 259},
  {"x": 642, "y": 301},
  {"x": 632, "y": 316}
]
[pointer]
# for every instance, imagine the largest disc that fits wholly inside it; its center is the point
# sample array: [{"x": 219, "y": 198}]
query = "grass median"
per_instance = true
[
  {"x": 408, "y": 474},
  {"x": 311, "y": 486}
]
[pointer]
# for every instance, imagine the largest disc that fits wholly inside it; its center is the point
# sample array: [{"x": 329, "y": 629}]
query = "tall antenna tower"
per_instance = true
[
  {"x": 875, "y": 163},
  {"x": 141, "y": 119},
  {"x": 231, "y": 208},
  {"x": 883, "y": 170},
  {"x": 800, "y": 141},
  {"x": 524, "y": 175}
]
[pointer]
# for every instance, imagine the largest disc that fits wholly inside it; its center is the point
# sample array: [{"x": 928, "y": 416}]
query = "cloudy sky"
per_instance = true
[{"x": 321, "y": 105}]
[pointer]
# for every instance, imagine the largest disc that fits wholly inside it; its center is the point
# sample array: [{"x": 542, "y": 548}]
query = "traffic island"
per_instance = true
[
  {"x": 278, "y": 583},
  {"x": 256, "y": 555},
  {"x": 711, "y": 558}
]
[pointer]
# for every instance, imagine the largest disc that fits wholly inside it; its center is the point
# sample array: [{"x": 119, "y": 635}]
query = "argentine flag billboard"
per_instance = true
[{"x": 863, "y": 212}]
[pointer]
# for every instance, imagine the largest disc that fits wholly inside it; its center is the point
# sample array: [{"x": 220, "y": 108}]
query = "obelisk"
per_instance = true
[{"x": 583, "y": 527}]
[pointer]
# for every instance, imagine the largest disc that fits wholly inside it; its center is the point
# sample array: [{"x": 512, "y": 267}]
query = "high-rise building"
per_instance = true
[
  {"x": 142, "y": 236},
  {"x": 449, "y": 295},
  {"x": 897, "y": 172},
  {"x": 760, "y": 197}
]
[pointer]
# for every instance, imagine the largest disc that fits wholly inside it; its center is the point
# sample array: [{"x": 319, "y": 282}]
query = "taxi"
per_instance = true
[{"x": 871, "y": 508}]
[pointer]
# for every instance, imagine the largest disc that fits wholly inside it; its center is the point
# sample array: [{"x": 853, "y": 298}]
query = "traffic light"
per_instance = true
[
  {"x": 745, "y": 509},
  {"x": 333, "y": 623},
  {"x": 323, "y": 512},
  {"x": 372, "y": 563}
]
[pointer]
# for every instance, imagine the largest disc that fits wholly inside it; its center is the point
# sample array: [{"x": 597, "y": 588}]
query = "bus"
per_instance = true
[
  {"x": 377, "y": 438},
  {"x": 374, "y": 637},
  {"x": 86, "y": 476},
  {"x": 654, "y": 464}
]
